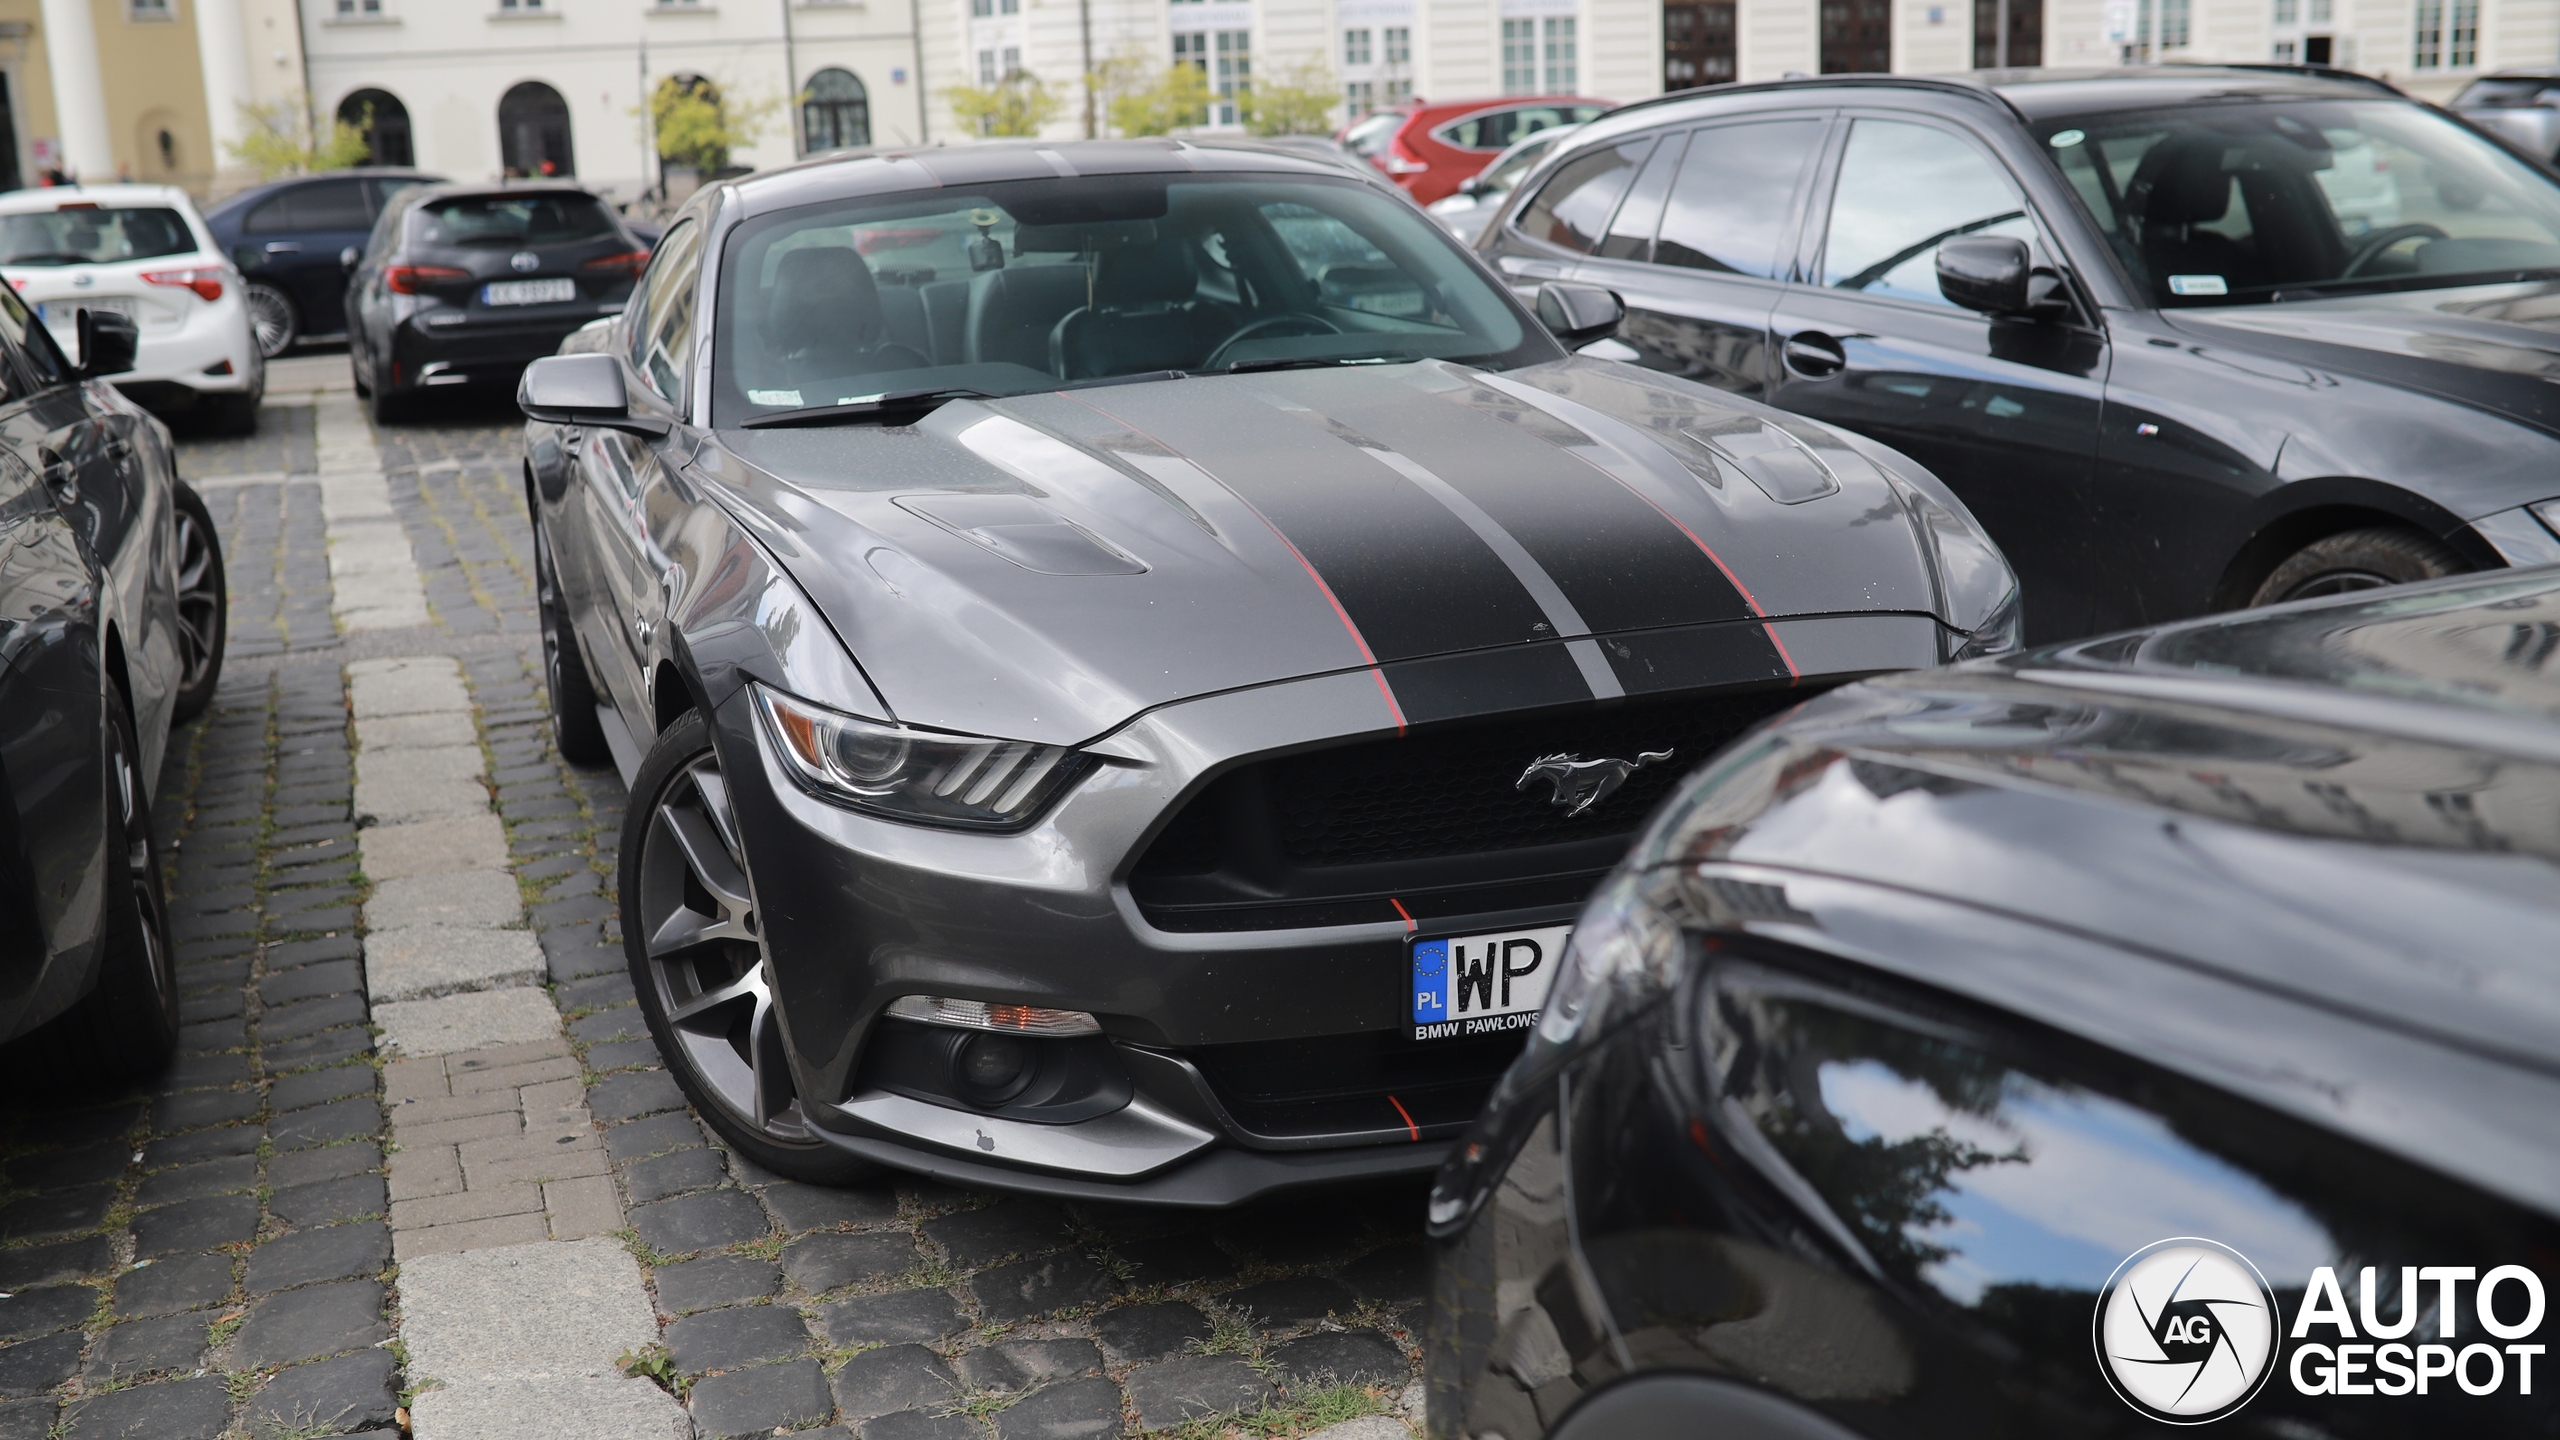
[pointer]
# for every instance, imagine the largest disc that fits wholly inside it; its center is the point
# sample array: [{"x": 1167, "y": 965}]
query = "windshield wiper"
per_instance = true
[
  {"x": 1323, "y": 362},
  {"x": 866, "y": 407}
]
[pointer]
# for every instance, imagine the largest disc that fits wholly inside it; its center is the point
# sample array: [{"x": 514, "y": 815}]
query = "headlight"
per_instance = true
[
  {"x": 926, "y": 776},
  {"x": 1996, "y": 636}
]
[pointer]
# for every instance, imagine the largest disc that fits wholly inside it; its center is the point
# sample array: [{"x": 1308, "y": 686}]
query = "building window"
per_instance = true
[
  {"x": 520, "y": 7},
  {"x": 149, "y": 10},
  {"x": 1225, "y": 57},
  {"x": 837, "y": 113},
  {"x": 1857, "y": 36},
  {"x": 1398, "y": 92},
  {"x": 359, "y": 7},
  {"x": 1399, "y": 44},
  {"x": 2026, "y": 33},
  {"x": 1519, "y": 57},
  {"x": 2173, "y": 22},
  {"x": 1359, "y": 97},
  {"x": 533, "y": 132},
  {"x": 1355, "y": 47},
  {"x": 384, "y": 123},
  {"x": 1697, "y": 44},
  {"x": 1540, "y": 56},
  {"x": 1557, "y": 45},
  {"x": 986, "y": 67}
]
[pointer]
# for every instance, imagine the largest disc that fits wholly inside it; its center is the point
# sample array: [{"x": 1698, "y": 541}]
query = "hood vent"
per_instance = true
[
  {"x": 1025, "y": 532},
  {"x": 1777, "y": 462}
]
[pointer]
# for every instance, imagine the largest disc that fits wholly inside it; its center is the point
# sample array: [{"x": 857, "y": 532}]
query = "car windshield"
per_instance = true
[
  {"x": 93, "y": 235},
  {"x": 532, "y": 219},
  {"x": 1011, "y": 288},
  {"x": 2271, "y": 201}
]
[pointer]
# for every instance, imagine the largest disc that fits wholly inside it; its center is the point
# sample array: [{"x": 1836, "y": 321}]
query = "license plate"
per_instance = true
[
  {"x": 1484, "y": 984},
  {"x": 528, "y": 292},
  {"x": 66, "y": 313}
]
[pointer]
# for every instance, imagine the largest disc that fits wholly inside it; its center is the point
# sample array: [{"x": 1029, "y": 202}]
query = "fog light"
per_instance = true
[
  {"x": 981, "y": 1015},
  {"x": 991, "y": 1065}
]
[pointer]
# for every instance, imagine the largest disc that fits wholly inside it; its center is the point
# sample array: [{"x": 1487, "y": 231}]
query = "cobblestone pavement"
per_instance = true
[{"x": 230, "y": 1253}]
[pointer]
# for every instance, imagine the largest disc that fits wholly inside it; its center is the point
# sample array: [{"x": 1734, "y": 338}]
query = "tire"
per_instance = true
[
  {"x": 2355, "y": 560},
  {"x": 204, "y": 604},
  {"x": 126, "y": 1027},
  {"x": 574, "y": 726},
  {"x": 387, "y": 408},
  {"x": 273, "y": 321},
  {"x": 707, "y": 996},
  {"x": 355, "y": 369}
]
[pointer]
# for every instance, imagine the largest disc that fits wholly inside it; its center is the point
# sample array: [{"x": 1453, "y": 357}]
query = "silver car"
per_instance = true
[
  {"x": 1480, "y": 195},
  {"x": 1128, "y": 656},
  {"x": 2522, "y": 106}
]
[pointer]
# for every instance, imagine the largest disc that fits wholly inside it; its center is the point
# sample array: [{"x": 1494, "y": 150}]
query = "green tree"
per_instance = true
[
  {"x": 697, "y": 126},
  {"x": 1016, "y": 105},
  {"x": 1295, "y": 101},
  {"x": 277, "y": 138},
  {"x": 1175, "y": 98}
]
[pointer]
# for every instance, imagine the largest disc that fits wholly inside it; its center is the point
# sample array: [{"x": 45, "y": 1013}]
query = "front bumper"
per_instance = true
[{"x": 1257, "y": 1059}]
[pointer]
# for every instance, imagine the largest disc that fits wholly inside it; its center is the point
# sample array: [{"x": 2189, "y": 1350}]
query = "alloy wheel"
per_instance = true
[
  {"x": 200, "y": 601},
  {"x": 270, "y": 320},
  {"x": 141, "y": 870},
  {"x": 706, "y": 959},
  {"x": 2338, "y": 582}
]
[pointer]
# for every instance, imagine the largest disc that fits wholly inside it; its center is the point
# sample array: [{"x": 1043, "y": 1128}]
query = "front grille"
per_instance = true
[
  {"x": 1371, "y": 1083},
  {"x": 1330, "y": 836}
]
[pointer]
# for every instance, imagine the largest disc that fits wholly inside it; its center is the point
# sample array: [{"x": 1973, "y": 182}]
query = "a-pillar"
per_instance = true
[
  {"x": 222, "y": 47},
  {"x": 79, "y": 91}
]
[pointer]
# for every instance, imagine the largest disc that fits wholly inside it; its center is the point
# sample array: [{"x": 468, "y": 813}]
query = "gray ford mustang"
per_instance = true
[{"x": 1129, "y": 655}]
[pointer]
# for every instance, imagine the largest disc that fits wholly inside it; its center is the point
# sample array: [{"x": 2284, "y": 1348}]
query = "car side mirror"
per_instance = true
[
  {"x": 1989, "y": 273},
  {"x": 348, "y": 259},
  {"x": 1579, "y": 314},
  {"x": 1472, "y": 186},
  {"x": 108, "y": 342},
  {"x": 582, "y": 390}
]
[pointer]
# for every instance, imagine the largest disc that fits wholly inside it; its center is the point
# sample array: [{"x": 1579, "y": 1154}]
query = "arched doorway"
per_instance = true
[
  {"x": 385, "y": 123},
  {"x": 836, "y": 112},
  {"x": 533, "y": 132}
]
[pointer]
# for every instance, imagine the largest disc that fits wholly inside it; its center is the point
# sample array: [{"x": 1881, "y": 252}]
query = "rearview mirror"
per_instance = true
[
  {"x": 582, "y": 390},
  {"x": 1985, "y": 272},
  {"x": 1579, "y": 314},
  {"x": 347, "y": 260},
  {"x": 108, "y": 342}
]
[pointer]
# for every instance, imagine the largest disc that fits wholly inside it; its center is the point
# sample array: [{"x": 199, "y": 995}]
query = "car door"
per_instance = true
[
  {"x": 1568, "y": 215},
  {"x": 52, "y": 810},
  {"x": 325, "y": 216},
  {"x": 2004, "y": 410},
  {"x": 1701, "y": 248},
  {"x": 624, "y": 479}
]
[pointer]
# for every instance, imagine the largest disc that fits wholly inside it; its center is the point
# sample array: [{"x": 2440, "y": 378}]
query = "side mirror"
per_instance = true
[
  {"x": 347, "y": 260},
  {"x": 1472, "y": 186},
  {"x": 1988, "y": 273},
  {"x": 582, "y": 390},
  {"x": 108, "y": 342},
  {"x": 1579, "y": 314}
]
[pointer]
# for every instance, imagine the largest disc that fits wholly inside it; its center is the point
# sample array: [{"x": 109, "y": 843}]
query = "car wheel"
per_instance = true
[
  {"x": 271, "y": 318},
  {"x": 385, "y": 407},
  {"x": 127, "y": 1026},
  {"x": 2358, "y": 560},
  {"x": 204, "y": 600},
  {"x": 355, "y": 368},
  {"x": 697, "y": 960},
  {"x": 574, "y": 726}
]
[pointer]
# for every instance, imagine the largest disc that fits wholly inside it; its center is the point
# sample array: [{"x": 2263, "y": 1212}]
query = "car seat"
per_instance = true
[
  {"x": 825, "y": 317},
  {"x": 1012, "y": 311},
  {"x": 1145, "y": 316}
]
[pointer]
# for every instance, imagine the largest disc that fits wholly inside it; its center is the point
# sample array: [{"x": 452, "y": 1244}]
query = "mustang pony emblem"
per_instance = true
[{"x": 1579, "y": 783}]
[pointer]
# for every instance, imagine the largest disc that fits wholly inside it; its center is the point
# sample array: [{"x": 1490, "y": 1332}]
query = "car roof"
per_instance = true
[
  {"x": 256, "y": 193},
  {"x": 46, "y": 198},
  {"x": 2037, "y": 93},
  {"x": 891, "y": 171}
]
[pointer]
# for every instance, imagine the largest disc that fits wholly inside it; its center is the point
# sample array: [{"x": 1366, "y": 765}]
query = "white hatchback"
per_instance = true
[{"x": 140, "y": 251}]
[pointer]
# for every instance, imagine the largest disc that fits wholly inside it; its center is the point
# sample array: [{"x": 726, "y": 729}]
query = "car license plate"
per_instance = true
[
  {"x": 64, "y": 314},
  {"x": 528, "y": 292},
  {"x": 1483, "y": 984}
]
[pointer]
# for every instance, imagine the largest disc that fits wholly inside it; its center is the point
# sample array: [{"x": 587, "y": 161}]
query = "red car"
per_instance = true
[{"x": 1431, "y": 149}]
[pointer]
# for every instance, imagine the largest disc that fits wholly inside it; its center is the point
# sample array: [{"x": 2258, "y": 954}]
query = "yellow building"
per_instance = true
[{"x": 141, "y": 90}]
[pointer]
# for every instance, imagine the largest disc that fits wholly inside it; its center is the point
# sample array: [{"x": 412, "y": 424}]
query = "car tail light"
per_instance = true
[
  {"x": 629, "y": 262},
  {"x": 206, "y": 281},
  {"x": 405, "y": 279}
]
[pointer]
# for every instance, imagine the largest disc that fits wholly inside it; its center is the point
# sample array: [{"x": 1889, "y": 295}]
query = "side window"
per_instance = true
[
  {"x": 32, "y": 344},
  {"x": 1734, "y": 197},
  {"x": 1572, "y": 210},
  {"x": 331, "y": 205},
  {"x": 1631, "y": 234},
  {"x": 661, "y": 324},
  {"x": 1905, "y": 189},
  {"x": 271, "y": 217}
]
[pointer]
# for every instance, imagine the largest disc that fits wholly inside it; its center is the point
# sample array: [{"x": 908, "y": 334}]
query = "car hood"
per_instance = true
[
  {"x": 1044, "y": 567},
  {"x": 2489, "y": 347}
]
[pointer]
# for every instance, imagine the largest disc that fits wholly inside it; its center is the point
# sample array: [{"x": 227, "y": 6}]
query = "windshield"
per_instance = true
[
  {"x": 534, "y": 219},
  {"x": 93, "y": 236},
  {"x": 2273, "y": 201},
  {"x": 1012, "y": 288}
]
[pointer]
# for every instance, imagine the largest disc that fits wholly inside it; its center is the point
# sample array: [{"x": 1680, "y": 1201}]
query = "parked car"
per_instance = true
[
  {"x": 2184, "y": 339},
  {"x": 1479, "y": 197},
  {"x": 2523, "y": 106},
  {"x": 140, "y": 251},
  {"x": 1079, "y": 644},
  {"x": 285, "y": 237},
  {"x": 464, "y": 284},
  {"x": 1429, "y": 149},
  {"x": 1881, "y": 1076},
  {"x": 111, "y": 599}
]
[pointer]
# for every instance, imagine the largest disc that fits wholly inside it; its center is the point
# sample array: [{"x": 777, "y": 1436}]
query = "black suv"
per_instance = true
[{"x": 2185, "y": 339}]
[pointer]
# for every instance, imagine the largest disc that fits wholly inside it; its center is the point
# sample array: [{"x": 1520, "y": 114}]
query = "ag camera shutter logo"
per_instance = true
[{"x": 2186, "y": 1330}]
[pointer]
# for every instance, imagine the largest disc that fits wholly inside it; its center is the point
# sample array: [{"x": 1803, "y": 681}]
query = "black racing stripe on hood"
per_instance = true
[
  {"x": 1695, "y": 656},
  {"x": 1486, "y": 682},
  {"x": 1620, "y": 561},
  {"x": 1411, "y": 577}
]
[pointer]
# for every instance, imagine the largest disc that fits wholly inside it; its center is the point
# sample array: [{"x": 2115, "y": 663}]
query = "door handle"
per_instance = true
[
  {"x": 61, "y": 478},
  {"x": 283, "y": 247},
  {"x": 1812, "y": 354}
]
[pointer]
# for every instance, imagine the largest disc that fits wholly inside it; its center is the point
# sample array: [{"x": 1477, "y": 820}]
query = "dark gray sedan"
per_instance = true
[{"x": 1127, "y": 656}]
